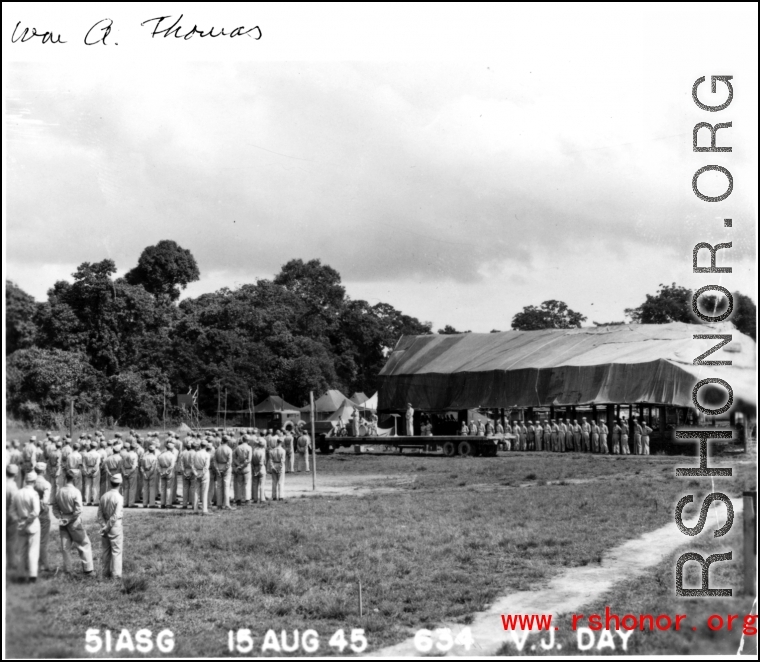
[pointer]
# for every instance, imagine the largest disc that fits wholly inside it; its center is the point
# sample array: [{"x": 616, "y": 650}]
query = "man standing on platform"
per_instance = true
[
  {"x": 624, "y": 430},
  {"x": 530, "y": 435},
  {"x": 409, "y": 420},
  {"x": 617, "y": 431},
  {"x": 645, "y": 435}
]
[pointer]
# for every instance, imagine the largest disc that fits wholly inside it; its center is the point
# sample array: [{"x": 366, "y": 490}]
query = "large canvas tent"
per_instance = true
[{"x": 636, "y": 363}]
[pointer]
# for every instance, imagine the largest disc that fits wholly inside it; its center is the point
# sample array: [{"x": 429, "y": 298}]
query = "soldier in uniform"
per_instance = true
[
  {"x": 129, "y": 469},
  {"x": 577, "y": 436},
  {"x": 110, "y": 514},
  {"x": 277, "y": 469},
  {"x": 148, "y": 466},
  {"x": 288, "y": 444},
  {"x": 637, "y": 430},
  {"x": 586, "y": 435},
  {"x": 44, "y": 491},
  {"x": 26, "y": 512},
  {"x": 595, "y": 437},
  {"x": 617, "y": 431},
  {"x": 201, "y": 463},
  {"x": 67, "y": 509},
  {"x": 53, "y": 467},
  {"x": 258, "y": 470},
  {"x": 624, "y": 429},
  {"x": 223, "y": 458},
  {"x": 91, "y": 470},
  {"x": 165, "y": 468},
  {"x": 186, "y": 464},
  {"x": 530, "y": 435},
  {"x": 302, "y": 452},
  {"x": 74, "y": 464},
  {"x": 112, "y": 465},
  {"x": 16, "y": 458},
  {"x": 603, "y": 432},
  {"x": 241, "y": 460},
  {"x": 11, "y": 523},
  {"x": 645, "y": 435},
  {"x": 409, "y": 420}
]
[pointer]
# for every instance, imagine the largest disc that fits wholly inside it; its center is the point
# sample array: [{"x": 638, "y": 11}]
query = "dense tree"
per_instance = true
[
  {"x": 551, "y": 314},
  {"x": 449, "y": 330},
  {"x": 19, "y": 313},
  {"x": 672, "y": 303},
  {"x": 163, "y": 269}
]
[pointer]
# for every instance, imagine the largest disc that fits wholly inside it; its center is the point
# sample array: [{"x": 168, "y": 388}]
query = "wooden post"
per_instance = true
[
  {"x": 225, "y": 409},
  {"x": 71, "y": 418},
  {"x": 164, "y": 412},
  {"x": 750, "y": 541},
  {"x": 313, "y": 445},
  {"x": 218, "y": 401},
  {"x": 361, "y": 607}
]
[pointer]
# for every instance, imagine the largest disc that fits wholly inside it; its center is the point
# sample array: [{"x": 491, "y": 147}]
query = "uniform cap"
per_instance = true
[
  {"x": 76, "y": 445},
  {"x": 40, "y": 467},
  {"x": 33, "y": 438},
  {"x": 30, "y": 477},
  {"x": 169, "y": 442},
  {"x": 116, "y": 479},
  {"x": 118, "y": 435},
  {"x": 152, "y": 447},
  {"x": 11, "y": 470}
]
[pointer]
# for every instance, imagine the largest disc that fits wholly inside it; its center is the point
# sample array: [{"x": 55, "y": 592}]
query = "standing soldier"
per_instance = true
[
  {"x": 288, "y": 443},
  {"x": 409, "y": 420},
  {"x": 110, "y": 514},
  {"x": 539, "y": 436},
  {"x": 465, "y": 430},
  {"x": 91, "y": 470},
  {"x": 74, "y": 464},
  {"x": 473, "y": 428},
  {"x": 277, "y": 469},
  {"x": 258, "y": 466},
  {"x": 129, "y": 474},
  {"x": 617, "y": 431},
  {"x": 595, "y": 437},
  {"x": 53, "y": 467},
  {"x": 603, "y": 432},
  {"x": 212, "y": 477},
  {"x": 44, "y": 491},
  {"x": 530, "y": 435},
  {"x": 16, "y": 458},
  {"x": 637, "y": 445},
  {"x": 26, "y": 511},
  {"x": 645, "y": 434},
  {"x": 30, "y": 456},
  {"x": 223, "y": 458},
  {"x": 201, "y": 462},
  {"x": 577, "y": 436},
  {"x": 302, "y": 452},
  {"x": 186, "y": 467},
  {"x": 11, "y": 523},
  {"x": 624, "y": 430},
  {"x": 112, "y": 465},
  {"x": 67, "y": 509},
  {"x": 517, "y": 443},
  {"x": 103, "y": 452},
  {"x": 139, "y": 450},
  {"x": 586, "y": 435},
  {"x": 177, "y": 475},
  {"x": 499, "y": 427},
  {"x": 148, "y": 464},
  {"x": 165, "y": 467},
  {"x": 241, "y": 459}
]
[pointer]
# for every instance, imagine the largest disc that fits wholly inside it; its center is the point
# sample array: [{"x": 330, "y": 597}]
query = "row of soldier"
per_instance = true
[
  {"x": 54, "y": 472},
  {"x": 560, "y": 435},
  {"x": 173, "y": 471}
]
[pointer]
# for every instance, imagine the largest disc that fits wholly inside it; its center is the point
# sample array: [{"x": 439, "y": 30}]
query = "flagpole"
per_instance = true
[{"x": 313, "y": 446}]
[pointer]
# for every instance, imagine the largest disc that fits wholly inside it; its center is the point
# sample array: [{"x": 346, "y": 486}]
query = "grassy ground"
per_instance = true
[{"x": 444, "y": 544}]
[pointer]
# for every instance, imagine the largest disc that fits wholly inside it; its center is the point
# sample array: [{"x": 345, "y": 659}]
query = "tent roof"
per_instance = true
[
  {"x": 359, "y": 398},
  {"x": 648, "y": 363},
  {"x": 274, "y": 403},
  {"x": 344, "y": 412},
  {"x": 330, "y": 401}
]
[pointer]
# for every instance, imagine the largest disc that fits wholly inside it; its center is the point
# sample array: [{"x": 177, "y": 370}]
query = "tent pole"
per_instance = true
[{"x": 225, "y": 408}]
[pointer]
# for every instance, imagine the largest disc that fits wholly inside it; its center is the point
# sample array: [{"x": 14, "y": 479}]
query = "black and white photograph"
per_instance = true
[{"x": 380, "y": 330}]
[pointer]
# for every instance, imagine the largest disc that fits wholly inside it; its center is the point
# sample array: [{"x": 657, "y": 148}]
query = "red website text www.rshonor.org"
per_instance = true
[{"x": 628, "y": 622}]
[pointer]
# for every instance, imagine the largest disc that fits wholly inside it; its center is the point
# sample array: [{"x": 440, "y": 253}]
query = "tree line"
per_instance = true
[{"x": 117, "y": 346}]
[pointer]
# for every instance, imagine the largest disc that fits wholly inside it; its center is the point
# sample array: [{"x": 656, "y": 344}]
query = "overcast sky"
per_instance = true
[{"x": 458, "y": 192}]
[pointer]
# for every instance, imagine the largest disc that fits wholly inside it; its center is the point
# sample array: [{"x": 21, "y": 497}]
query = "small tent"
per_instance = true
[
  {"x": 324, "y": 406},
  {"x": 273, "y": 412},
  {"x": 359, "y": 398}
]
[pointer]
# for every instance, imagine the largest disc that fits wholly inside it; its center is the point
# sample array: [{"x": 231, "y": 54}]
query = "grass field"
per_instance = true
[{"x": 453, "y": 535}]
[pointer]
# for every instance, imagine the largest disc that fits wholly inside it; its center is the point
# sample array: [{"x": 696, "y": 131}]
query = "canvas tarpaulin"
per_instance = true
[{"x": 632, "y": 363}]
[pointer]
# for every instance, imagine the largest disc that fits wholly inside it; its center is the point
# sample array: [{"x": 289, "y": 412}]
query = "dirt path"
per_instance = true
[{"x": 567, "y": 592}]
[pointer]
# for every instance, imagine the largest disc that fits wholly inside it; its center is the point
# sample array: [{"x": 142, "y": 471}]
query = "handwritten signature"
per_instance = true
[{"x": 175, "y": 30}]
